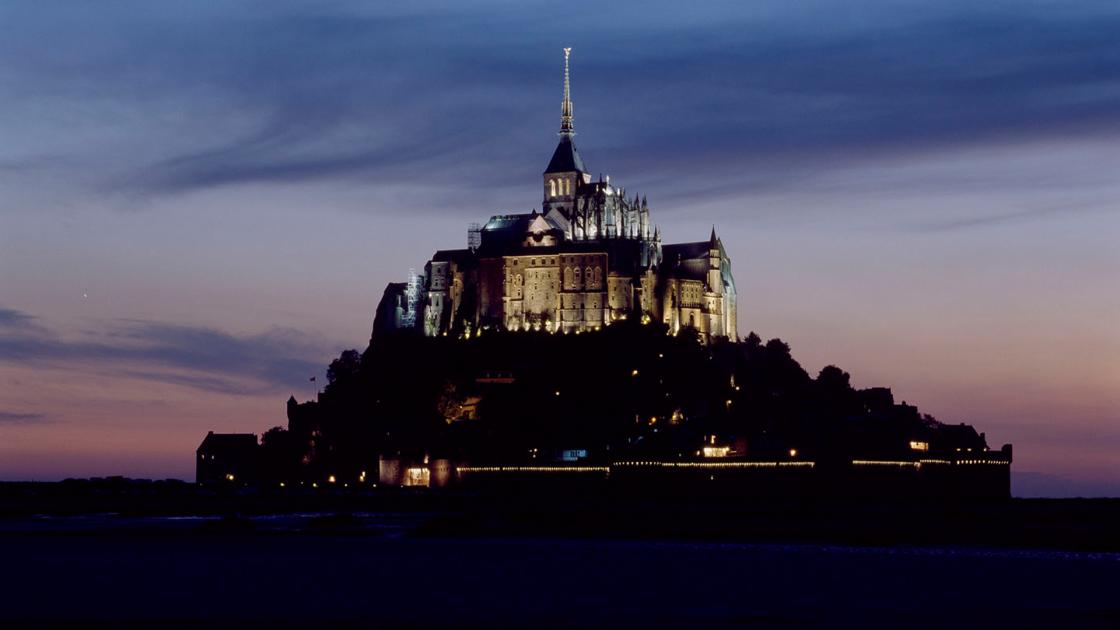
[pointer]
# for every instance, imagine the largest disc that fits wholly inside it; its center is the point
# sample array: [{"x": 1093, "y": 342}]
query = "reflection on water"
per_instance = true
[{"x": 392, "y": 525}]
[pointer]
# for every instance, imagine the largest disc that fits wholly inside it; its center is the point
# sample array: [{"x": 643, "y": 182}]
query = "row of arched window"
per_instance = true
[
  {"x": 559, "y": 187},
  {"x": 590, "y": 276}
]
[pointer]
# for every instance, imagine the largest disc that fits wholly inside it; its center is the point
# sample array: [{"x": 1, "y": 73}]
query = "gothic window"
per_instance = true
[
  {"x": 587, "y": 275},
  {"x": 598, "y": 274},
  {"x": 569, "y": 279},
  {"x": 552, "y": 188},
  {"x": 577, "y": 275}
]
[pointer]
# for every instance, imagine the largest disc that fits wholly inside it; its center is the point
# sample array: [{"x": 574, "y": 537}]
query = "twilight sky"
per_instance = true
[{"x": 200, "y": 203}]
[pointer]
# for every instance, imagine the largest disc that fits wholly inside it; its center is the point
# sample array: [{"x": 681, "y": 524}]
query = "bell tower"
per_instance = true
[{"x": 565, "y": 172}]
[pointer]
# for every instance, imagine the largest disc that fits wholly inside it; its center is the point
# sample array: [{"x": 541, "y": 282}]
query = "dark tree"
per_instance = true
[
  {"x": 630, "y": 388},
  {"x": 345, "y": 366}
]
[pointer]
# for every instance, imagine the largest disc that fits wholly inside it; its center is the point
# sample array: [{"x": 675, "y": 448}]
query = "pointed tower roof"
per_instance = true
[
  {"x": 566, "y": 158},
  {"x": 713, "y": 240}
]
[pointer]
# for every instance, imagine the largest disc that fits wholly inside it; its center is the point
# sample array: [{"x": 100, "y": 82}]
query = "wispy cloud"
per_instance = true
[
  {"x": 198, "y": 357},
  {"x": 12, "y": 319},
  {"x": 225, "y": 97},
  {"x": 964, "y": 223},
  {"x": 16, "y": 417}
]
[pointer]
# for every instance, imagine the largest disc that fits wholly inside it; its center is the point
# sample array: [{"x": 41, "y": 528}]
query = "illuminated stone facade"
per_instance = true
[{"x": 590, "y": 256}]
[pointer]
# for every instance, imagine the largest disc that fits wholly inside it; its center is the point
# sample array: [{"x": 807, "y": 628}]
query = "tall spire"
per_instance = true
[{"x": 566, "y": 107}]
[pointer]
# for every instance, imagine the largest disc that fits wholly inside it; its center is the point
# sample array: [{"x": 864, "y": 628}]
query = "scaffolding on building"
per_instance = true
[{"x": 474, "y": 236}]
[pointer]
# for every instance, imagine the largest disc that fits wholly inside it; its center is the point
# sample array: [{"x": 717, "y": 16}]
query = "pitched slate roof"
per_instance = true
[
  {"x": 228, "y": 442},
  {"x": 565, "y": 158},
  {"x": 686, "y": 251},
  {"x": 455, "y": 255},
  {"x": 686, "y": 260}
]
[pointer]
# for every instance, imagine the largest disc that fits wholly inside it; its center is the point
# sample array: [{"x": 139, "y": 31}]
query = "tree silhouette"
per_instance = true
[{"x": 628, "y": 389}]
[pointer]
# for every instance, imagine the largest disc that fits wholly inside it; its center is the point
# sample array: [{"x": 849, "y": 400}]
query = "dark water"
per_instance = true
[{"x": 369, "y": 570}]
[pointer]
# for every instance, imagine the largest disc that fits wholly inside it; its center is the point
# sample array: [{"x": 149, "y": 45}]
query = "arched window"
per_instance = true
[
  {"x": 598, "y": 275},
  {"x": 552, "y": 188},
  {"x": 567, "y": 186},
  {"x": 569, "y": 279},
  {"x": 589, "y": 278},
  {"x": 577, "y": 275}
]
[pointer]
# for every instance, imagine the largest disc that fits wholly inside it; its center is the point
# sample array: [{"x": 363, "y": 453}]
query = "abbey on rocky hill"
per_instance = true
[{"x": 590, "y": 256}]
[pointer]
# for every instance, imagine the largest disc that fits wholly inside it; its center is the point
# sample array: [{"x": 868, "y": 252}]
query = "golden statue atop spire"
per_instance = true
[{"x": 566, "y": 107}]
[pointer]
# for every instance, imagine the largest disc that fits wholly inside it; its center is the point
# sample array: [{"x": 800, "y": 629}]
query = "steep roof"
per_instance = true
[
  {"x": 686, "y": 251},
  {"x": 686, "y": 260},
  {"x": 456, "y": 255},
  {"x": 228, "y": 441},
  {"x": 565, "y": 158}
]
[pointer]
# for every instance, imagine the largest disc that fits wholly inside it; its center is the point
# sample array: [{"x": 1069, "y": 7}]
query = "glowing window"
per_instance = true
[
  {"x": 417, "y": 477},
  {"x": 552, "y": 188},
  {"x": 716, "y": 451}
]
